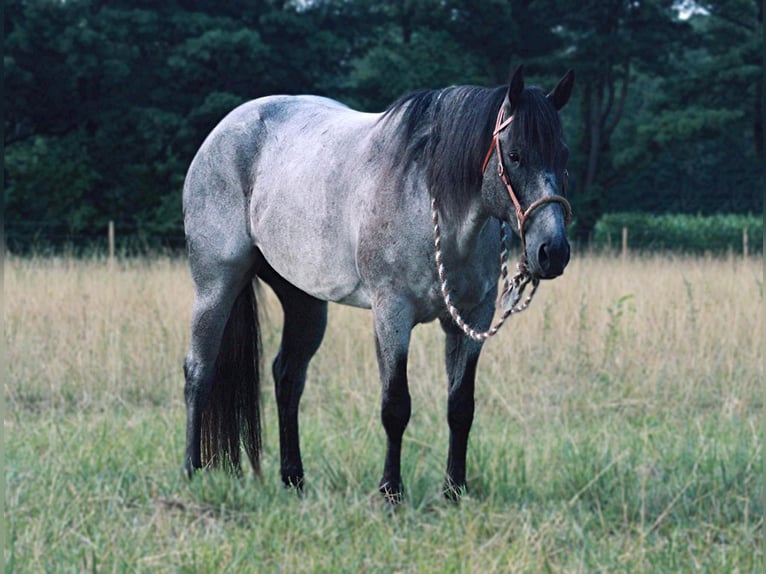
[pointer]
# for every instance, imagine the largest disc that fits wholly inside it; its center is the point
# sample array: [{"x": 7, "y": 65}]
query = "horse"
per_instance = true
[{"x": 324, "y": 203}]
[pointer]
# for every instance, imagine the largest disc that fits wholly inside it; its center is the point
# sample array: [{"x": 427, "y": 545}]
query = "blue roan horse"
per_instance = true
[{"x": 324, "y": 203}]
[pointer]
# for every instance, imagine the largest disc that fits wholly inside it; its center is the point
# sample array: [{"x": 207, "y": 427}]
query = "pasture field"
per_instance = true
[{"x": 617, "y": 430}]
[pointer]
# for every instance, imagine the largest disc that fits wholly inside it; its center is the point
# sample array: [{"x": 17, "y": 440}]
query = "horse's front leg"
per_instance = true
[
  {"x": 393, "y": 323},
  {"x": 461, "y": 357}
]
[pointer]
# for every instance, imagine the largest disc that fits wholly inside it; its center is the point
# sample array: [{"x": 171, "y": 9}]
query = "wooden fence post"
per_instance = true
[
  {"x": 744, "y": 243},
  {"x": 111, "y": 244},
  {"x": 624, "y": 243}
]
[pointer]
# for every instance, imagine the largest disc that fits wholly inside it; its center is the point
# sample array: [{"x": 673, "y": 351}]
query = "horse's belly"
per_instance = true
[{"x": 323, "y": 269}]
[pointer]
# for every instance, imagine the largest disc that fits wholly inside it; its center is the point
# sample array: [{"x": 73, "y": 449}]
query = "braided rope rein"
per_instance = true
[{"x": 513, "y": 288}]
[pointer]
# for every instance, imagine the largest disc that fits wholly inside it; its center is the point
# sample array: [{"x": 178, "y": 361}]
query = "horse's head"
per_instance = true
[{"x": 530, "y": 158}]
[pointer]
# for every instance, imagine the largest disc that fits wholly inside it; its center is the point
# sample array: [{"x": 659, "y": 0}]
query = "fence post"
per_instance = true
[
  {"x": 624, "y": 242},
  {"x": 111, "y": 244},
  {"x": 744, "y": 242}
]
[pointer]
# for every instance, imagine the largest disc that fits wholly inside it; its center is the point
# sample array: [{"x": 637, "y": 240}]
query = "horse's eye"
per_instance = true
[{"x": 514, "y": 157}]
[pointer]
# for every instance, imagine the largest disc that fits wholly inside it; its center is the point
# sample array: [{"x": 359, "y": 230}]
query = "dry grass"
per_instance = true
[
  {"x": 80, "y": 336},
  {"x": 616, "y": 427}
]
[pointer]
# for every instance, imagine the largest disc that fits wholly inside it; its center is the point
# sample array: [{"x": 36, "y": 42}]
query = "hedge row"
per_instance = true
[
  {"x": 646, "y": 232},
  {"x": 680, "y": 233}
]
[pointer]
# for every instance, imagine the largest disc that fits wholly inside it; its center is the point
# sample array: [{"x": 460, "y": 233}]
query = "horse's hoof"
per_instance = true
[
  {"x": 293, "y": 481},
  {"x": 454, "y": 492},
  {"x": 189, "y": 470},
  {"x": 392, "y": 492}
]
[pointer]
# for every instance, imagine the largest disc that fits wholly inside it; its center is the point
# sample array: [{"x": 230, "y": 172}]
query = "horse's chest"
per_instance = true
[
  {"x": 468, "y": 285},
  {"x": 405, "y": 263}
]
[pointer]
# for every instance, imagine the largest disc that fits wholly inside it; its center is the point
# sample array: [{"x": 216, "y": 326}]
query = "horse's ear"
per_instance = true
[
  {"x": 563, "y": 90},
  {"x": 515, "y": 87}
]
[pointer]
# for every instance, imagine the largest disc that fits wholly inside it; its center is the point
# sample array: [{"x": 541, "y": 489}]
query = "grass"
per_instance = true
[{"x": 617, "y": 429}]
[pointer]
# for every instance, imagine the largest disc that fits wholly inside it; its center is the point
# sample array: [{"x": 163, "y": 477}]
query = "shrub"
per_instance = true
[{"x": 681, "y": 233}]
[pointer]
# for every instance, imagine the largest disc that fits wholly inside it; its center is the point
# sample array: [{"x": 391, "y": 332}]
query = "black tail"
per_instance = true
[{"x": 232, "y": 414}]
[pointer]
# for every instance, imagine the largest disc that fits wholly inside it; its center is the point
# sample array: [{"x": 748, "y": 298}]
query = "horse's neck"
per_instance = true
[{"x": 465, "y": 233}]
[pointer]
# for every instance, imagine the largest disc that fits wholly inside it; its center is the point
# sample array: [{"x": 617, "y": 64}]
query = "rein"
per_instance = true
[{"x": 513, "y": 288}]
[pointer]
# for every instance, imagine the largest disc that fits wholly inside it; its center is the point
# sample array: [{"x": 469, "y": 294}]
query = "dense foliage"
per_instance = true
[{"x": 106, "y": 102}]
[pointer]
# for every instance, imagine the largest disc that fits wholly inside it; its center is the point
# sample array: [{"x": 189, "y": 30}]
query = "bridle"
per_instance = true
[
  {"x": 522, "y": 216},
  {"x": 513, "y": 288}
]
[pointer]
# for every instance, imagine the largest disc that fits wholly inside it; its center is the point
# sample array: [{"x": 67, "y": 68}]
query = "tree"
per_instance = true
[
  {"x": 608, "y": 43},
  {"x": 732, "y": 34},
  {"x": 699, "y": 129},
  {"x": 106, "y": 103}
]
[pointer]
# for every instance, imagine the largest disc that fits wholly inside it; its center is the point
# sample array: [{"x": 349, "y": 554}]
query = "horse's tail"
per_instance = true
[{"x": 232, "y": 414}]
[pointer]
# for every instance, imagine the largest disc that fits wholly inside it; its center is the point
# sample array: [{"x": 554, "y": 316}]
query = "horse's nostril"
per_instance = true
[
  {"x": 543, "y": 258},
  {"x": 552, "y": 259}
]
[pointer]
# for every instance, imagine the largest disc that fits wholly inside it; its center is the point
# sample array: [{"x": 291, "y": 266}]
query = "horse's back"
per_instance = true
[
  {"x": 288, "y": 171},
  {"x": 233, "y": 148}
]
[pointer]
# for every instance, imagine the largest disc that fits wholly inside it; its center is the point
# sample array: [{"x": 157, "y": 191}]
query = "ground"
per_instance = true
[{"x": 617, "y": 429}]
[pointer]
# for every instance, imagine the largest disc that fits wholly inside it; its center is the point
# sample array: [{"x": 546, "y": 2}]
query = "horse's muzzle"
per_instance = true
[{"x": 550, "y": 258}]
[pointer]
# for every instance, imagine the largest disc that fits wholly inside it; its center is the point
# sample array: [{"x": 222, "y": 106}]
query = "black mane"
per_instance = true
[{"x": 450, "y": 131}]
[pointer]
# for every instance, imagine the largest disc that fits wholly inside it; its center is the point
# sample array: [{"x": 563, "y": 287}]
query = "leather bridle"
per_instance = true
[
  {"x": 513, "y": 287},
  {"x": 522, "y": 216}
]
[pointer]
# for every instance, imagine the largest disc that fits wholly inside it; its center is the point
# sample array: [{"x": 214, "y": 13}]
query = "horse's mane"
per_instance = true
[{"x": 450, "y": 131}]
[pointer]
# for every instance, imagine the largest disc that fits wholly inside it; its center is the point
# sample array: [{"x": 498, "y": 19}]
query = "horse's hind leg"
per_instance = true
[
  {"x": 223, "y": 262},
  {"x": 217, "y": 286},
  {"x": 305, "y": 319}
]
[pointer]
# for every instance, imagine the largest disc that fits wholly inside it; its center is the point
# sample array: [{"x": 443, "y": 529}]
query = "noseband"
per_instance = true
[
  {"x": 522, "y": 216},
  {"x": 513, "y": 288}
]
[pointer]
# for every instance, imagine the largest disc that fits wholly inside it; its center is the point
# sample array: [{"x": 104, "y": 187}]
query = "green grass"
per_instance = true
[{"x": 617, "y": 430}]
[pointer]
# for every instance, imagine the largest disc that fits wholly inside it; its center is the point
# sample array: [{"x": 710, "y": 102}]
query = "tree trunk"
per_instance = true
[{"x": 603, "y": 108}]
